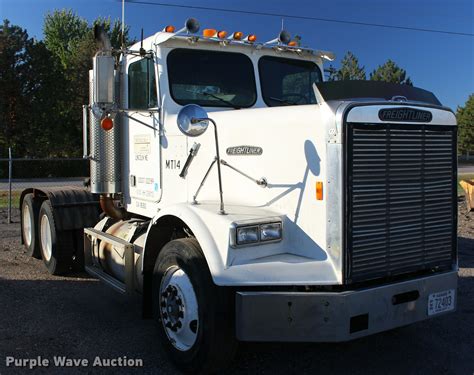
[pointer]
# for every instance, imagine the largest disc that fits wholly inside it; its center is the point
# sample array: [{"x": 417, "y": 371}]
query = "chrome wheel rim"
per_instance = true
[
  {"x": 46, "y": 242},
  {"x": 179, "y": 308},
  {"x": 27, "y": 227}
]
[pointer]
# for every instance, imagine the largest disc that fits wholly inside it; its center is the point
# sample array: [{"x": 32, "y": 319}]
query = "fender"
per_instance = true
[
  {"x": 73, "y": 208},
  {"x": 159, "y": 233},
  {"x": 195, "y": 222}
]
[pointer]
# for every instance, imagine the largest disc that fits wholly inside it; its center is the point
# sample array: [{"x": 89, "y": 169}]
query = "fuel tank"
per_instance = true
[{"x": 112, "y": 258}]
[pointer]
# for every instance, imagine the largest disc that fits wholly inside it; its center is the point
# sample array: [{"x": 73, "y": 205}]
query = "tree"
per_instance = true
[
  {"x": 30, "y": 82},
  {"x": 349, "y": 70},
  {"x": 465, "y": 118},
  {"x": 391, "y": 72},
  {"x": 71, "y": 40},
  {"x": 63, "y": 30}
]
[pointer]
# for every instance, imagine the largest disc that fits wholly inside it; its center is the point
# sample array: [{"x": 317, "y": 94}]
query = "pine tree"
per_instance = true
[
  {"x": 465, "y": 117},
  {"x": 349, "y": 70},
  {"x": 391, "y": 72}
]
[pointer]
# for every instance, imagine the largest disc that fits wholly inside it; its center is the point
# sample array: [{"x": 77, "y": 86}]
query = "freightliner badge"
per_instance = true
[
  {"x": 405, "y": 115},
  {"x": 244, "y": 150}
]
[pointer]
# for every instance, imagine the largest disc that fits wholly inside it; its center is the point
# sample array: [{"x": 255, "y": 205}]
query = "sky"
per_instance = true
[{"x": 443, "y": 64}]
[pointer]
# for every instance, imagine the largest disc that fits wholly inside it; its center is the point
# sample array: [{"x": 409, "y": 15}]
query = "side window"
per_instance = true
[{"x": 142, "y": 85}]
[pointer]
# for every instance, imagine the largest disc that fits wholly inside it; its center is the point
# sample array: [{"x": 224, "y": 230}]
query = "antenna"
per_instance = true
[
  {"x": 123, "y": 22},
  {"x": 142, "y": 51}
]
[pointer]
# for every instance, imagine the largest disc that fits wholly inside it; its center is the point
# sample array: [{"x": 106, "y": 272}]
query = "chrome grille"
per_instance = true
[{"x": 401, "y": 211}]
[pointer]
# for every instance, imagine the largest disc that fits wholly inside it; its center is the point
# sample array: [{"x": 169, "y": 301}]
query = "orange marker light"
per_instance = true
[
  {"x": 222, "y": 34},
  {"x": 238, "y": 35},
  {"x": 169, "y": 29},
  {"x": 107, "y": 123},
  {"x": 252, "y": 38},
  {"x": 209, "y": 33},
  {"x": 293, "y": 43},
  {"x": 319, "y": 190}
]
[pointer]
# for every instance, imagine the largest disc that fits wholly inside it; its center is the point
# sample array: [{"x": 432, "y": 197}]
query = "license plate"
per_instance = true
[{"x": 441, "y": 301}]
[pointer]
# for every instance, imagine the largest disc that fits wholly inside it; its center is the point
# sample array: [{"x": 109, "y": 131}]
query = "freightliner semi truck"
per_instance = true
[{"x": 245, "y": 199}]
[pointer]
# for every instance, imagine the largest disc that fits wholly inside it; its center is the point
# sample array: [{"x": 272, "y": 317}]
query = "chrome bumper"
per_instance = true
[{"x": 326, "y": 317}]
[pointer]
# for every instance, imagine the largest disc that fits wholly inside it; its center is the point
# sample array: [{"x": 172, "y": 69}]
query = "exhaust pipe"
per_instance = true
[
  {"x": 105, "y": 144},
  {"x": 102, "y": 39},
  {"x": 110, "y": 209}
]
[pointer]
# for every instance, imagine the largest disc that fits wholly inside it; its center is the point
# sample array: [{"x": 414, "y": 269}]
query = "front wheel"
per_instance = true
[{"x": 195, "y": 317}]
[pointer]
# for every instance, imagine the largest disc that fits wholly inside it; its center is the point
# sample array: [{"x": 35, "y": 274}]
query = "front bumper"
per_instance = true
[{"x": 332, "y": 317}]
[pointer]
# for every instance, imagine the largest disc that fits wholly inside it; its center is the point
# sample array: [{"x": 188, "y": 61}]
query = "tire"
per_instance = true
[
  {"x": 29, "y": 226},
  {"x": 57, "y": 247},
  {"x": 202, "y": 326}
]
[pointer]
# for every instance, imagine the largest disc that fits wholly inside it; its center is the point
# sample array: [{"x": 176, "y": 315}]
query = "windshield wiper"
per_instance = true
[
  {"x": 222, "y": 100},
  {"x": 288, "y": 102}
]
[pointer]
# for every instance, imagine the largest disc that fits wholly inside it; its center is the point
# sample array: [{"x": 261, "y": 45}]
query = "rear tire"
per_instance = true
[
  {"x": 57, "y": 247},
  {"x": 195, "y": 317},
  {"x": 29, "y": 225}
]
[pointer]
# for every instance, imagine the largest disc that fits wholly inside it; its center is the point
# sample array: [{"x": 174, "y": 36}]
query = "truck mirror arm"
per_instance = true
[
  {"x": 221, "y": 194},
  {"x": 260, "y": 182},
  {"x": 140, "y": 122}
]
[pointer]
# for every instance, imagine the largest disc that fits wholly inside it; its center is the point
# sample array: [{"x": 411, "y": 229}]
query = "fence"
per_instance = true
[{"x": 17, "y": 174}]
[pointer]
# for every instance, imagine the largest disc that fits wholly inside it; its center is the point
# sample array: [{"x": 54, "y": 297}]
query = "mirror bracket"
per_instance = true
[{"x": 193, "y": 121}]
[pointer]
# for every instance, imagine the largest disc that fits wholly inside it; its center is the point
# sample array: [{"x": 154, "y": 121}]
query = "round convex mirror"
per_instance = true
[{"x": 192, "y": 120}]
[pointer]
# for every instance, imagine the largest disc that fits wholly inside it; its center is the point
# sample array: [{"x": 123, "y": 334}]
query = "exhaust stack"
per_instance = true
[{"x": 105, "y": 166}]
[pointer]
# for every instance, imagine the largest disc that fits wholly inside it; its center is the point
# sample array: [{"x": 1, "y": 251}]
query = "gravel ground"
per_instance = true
[{"x": 78, "y": 317}]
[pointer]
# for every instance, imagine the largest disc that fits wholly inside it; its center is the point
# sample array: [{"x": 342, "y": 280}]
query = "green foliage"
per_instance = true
[
  {"x": 30, "y": 81},
  {"x": 45, "y": 84},
  {"x": 391, "y": 72},
  {"x": 465, "y": 118},
  {"x": 349, "y": 70},
  {"x": 63, "y": 30}
]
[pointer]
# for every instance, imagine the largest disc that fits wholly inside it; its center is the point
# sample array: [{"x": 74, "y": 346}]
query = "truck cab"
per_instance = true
[{"x": 244, "y": 198}]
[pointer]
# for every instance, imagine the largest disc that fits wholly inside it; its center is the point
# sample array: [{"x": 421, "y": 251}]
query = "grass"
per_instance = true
[
  {"x": 464, "y": 176},
  {"x": 4, "y": 199}
]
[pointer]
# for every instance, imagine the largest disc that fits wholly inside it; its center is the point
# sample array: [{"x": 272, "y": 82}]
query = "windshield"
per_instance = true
[
  {"x": 288, "y": 81},
  {"x": 211, "y": 79}
]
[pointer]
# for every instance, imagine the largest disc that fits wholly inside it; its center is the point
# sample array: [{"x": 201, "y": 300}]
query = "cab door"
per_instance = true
[{"x": 141, "y": 131}]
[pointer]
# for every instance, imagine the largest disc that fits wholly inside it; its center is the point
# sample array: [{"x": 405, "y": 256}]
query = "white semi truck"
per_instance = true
[{"x": 310, "y": 211}]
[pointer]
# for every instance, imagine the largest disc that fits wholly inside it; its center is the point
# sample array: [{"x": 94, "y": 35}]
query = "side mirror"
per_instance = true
[{"x": 192, "y": 120}]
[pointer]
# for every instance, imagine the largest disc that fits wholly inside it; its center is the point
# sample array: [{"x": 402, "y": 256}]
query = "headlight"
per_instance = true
[
  {"x": 270, "y": 232},
  {"x": 256, "y": 233},
  {"x": 246, "y": 235}
]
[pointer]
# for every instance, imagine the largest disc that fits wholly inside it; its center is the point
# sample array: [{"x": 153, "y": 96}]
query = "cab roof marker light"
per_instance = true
[
  {"x": 237, "y": 35},
  {"x": 169, "y": 29},
  {"x": 221, "y": 34},
  {"x": 209, "y": 33},
  {"x": 251, "y": 38}
]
